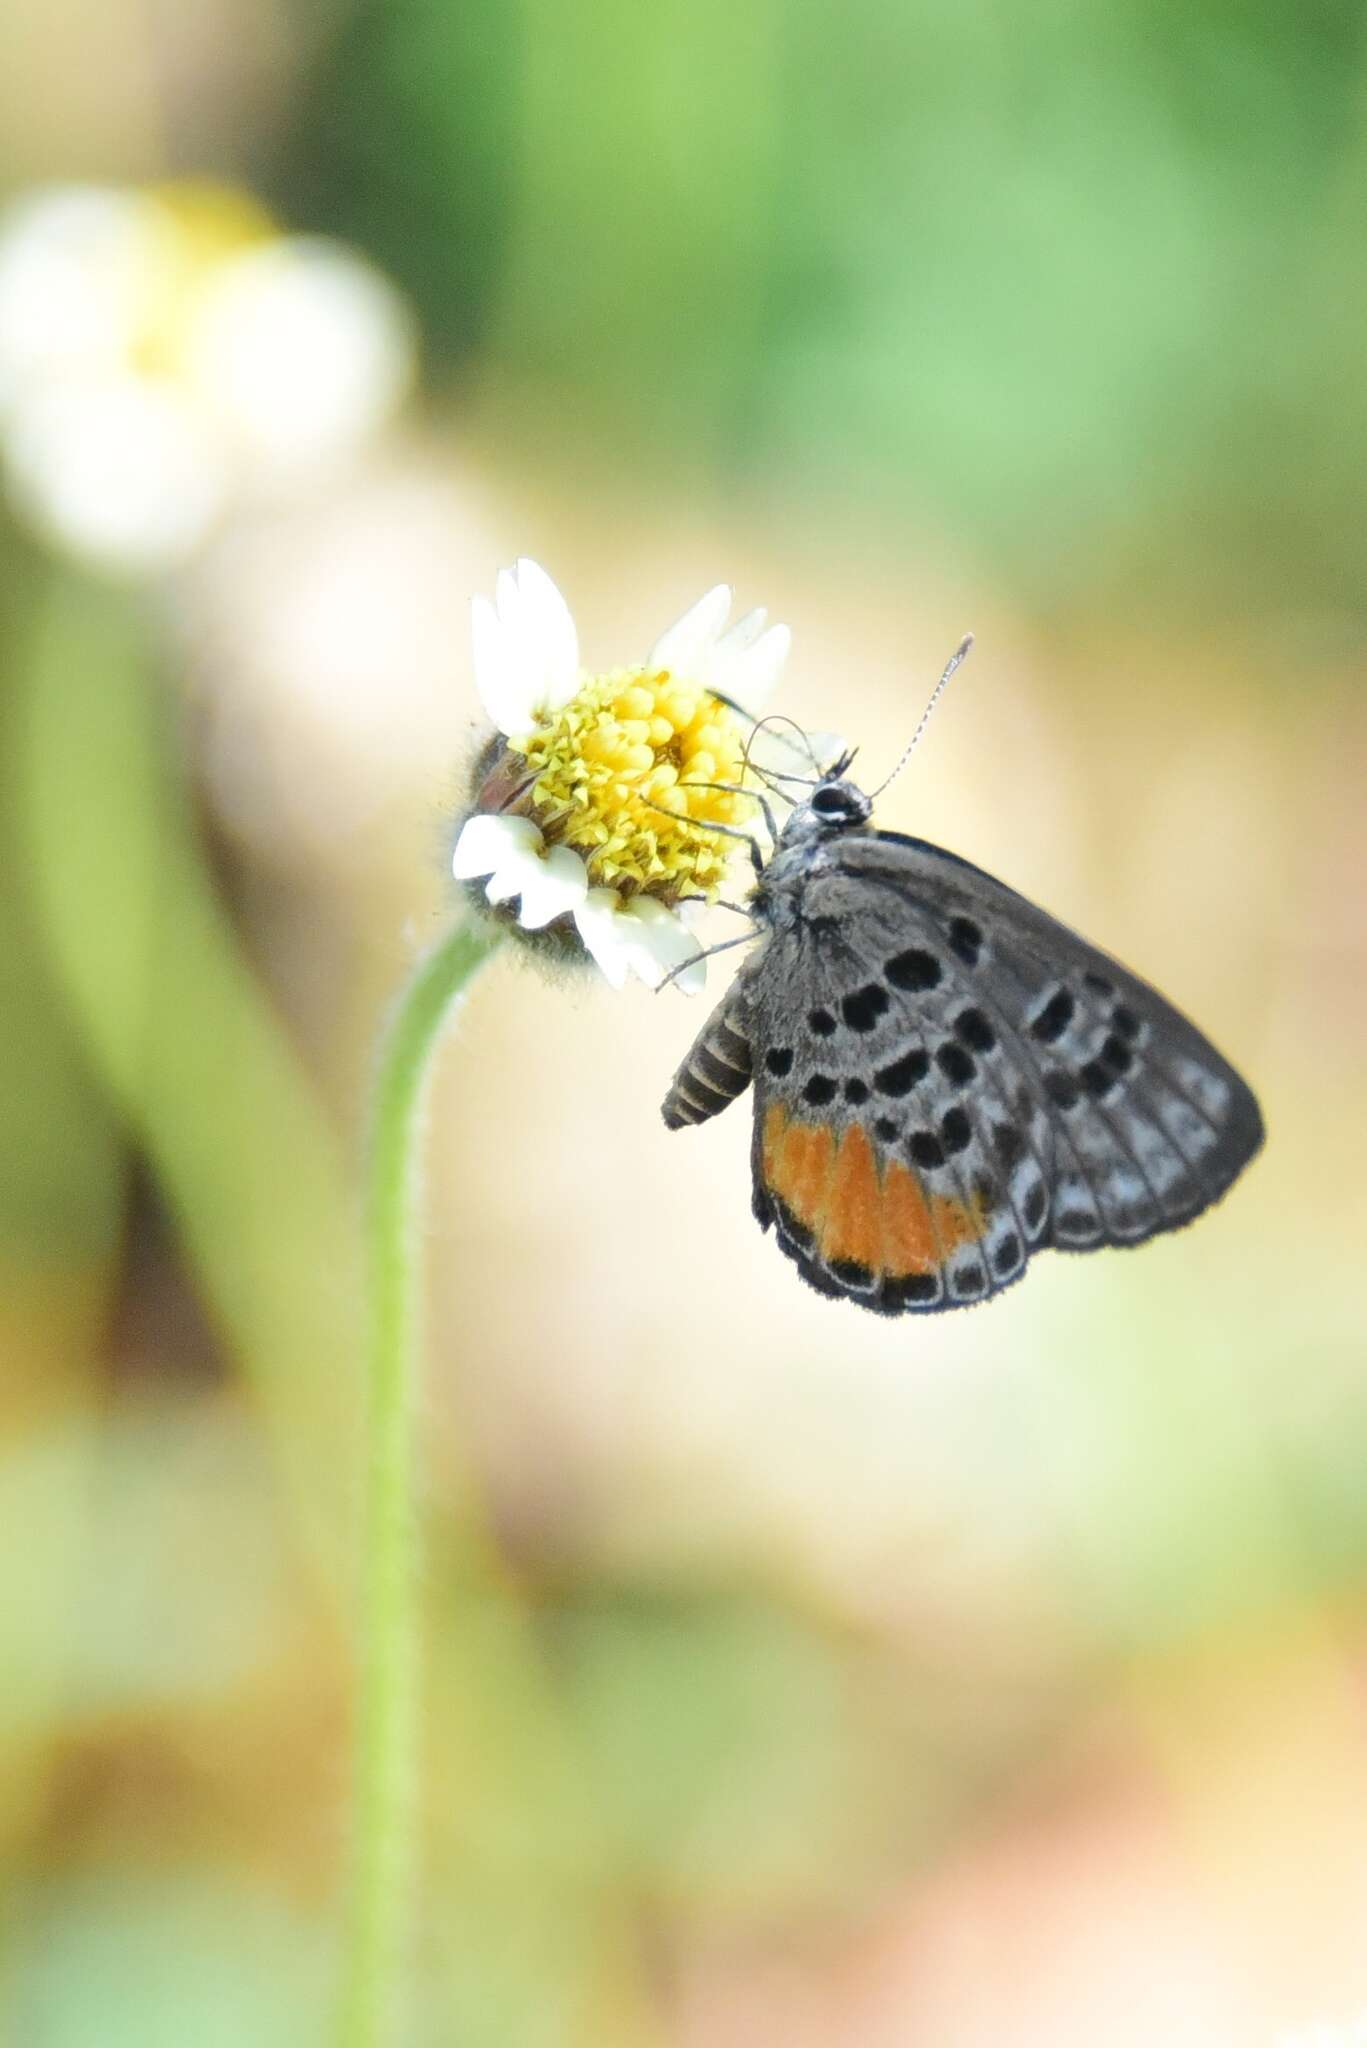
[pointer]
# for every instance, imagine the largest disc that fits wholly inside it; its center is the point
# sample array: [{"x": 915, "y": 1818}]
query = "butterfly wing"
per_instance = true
[{"x": 948, "y": 1080}]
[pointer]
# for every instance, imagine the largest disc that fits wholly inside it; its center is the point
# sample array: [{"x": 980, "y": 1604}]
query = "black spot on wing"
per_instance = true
[
  {"x": 1007, "y": 1256},
  {"x": 968, "y": 1278},
  {"x": 1097, "y": 1078},
  {"x": 850, "y": 1273},
  {"x": 1116, "y": 1055},
  {"x": 1009, "y": 1144},
  {"x": 1061, "y": 1088},
  {"x": 973, "y": 1030},
  {"x": 904, "y": 1074},
  {"x": 956, "y": 1133},
  {"x": 913, "y": 971},
  {"x": 957, "y": 1066},
  {"x": 863, "y": 1009},
  {"x": 1053, "y": 1020},
  {"x": 912, "y": 1290},
  {"x": 965, "y": 940}
]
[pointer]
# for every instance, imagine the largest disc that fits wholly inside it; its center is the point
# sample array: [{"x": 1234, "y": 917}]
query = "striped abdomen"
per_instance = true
[{"x": 716, "y": 1070}]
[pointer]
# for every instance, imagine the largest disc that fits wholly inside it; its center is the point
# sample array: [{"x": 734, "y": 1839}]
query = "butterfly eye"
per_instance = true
[{"x": 831, "y": 803}]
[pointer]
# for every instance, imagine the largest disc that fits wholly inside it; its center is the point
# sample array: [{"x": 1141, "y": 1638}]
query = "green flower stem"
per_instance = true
[{"x": 387, "y": 1740}]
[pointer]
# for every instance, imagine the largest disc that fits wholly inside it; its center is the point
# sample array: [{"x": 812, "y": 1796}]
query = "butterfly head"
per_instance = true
[{"x": 835, "y": 805}]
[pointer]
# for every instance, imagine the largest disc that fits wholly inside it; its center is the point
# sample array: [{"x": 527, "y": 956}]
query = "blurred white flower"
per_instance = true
[
  {"x": 118, "y": 471},
  {"x": 167, "y": 352},
  {"x": 300, "y": 350},
  {"x": 608, "y": 803},
  {"x": 73, "y": 263}
]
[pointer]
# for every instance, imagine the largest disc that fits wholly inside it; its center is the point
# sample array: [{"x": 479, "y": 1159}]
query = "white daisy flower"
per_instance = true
[
  {"x": 596, "y": 808},
  {"x": 166, "y": 352}
]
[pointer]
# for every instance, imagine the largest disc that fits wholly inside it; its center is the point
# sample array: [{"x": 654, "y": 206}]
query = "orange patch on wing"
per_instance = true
[
  {"x": 775, "y": 1121},
  {"x": 909, "y": 1241},
  {"x": 797, "y": 1163},
  {"x": 808, "y": 1152},
  {"x": 889, "y": 1224},
  {"x": 852, "y": 1226},
  {"x": 956, "y": 1224}
]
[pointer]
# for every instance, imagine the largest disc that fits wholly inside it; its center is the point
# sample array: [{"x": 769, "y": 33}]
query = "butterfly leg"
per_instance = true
[
  {"x": 725, "y": 831},
  {"x": 704, "y": 953}
]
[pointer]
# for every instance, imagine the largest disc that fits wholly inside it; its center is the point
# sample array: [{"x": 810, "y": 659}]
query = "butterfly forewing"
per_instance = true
[
  {"x": 1146, "y": 1123},
  {"x": 946, "y": 1080}
]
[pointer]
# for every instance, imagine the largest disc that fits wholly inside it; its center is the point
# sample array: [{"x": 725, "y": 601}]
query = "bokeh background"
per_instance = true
[{"x": 990, "y": 1678}]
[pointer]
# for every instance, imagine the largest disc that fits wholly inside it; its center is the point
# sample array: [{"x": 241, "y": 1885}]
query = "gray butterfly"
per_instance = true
[{"x": 946, "y": 1079}]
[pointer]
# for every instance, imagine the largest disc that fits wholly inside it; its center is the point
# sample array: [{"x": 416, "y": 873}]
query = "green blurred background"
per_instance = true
[{"x": 991, "y": 1678}]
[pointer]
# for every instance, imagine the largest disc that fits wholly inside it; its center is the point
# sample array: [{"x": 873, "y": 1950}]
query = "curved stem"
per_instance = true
[{"x": 387, "y": 1735}]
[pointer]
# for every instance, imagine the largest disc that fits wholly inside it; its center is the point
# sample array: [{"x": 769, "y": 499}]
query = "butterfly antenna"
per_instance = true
[
  {"x": 770, "y": 724},
  {"x": 956, "y": 659}
]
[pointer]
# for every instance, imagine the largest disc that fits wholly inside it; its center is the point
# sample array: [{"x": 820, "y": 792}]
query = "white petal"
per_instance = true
[
  {"x": 518, "y": 871},
  {"x": 692, "y": 979},
  {"x": 744, "y": 664},
  {"x": 682, "y": 646},
  {"x": 487, "y": 842},
  {"x": 551, "y": 625},
  {"x": 721, "y": 665},
  {"x": 758, "y": 668},
  {"x": 541, "y": 647},
  {"x": 504, "y": 689},
  {"x": 551, "y": 886},
  {"x": 657, "y": 942},
  {"x": 746, "y": 630},
  {"x": 597, "y": 919}
]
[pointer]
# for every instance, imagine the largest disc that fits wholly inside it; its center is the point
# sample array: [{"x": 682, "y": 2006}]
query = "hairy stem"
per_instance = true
[{"x": 387, "y": 1734}]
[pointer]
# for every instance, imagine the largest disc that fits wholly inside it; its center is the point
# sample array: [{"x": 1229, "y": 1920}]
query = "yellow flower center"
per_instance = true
[{"x": 622, "y": 775}]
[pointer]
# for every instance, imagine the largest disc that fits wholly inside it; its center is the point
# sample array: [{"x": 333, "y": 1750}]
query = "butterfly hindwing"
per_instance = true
[
  {"x": 886, "y": 1156},
  {"x": 1147, "y": 1124}
]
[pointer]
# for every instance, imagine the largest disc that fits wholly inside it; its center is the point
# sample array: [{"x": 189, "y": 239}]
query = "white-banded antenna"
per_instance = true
[{"x": 956, "y": 660}]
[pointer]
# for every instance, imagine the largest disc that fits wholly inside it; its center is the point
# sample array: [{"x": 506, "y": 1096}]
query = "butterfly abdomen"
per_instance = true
[{"x": 716, "y": 1070}]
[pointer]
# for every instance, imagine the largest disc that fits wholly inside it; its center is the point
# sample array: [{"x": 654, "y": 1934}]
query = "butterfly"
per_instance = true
[{"x": 946, "y": 1079}]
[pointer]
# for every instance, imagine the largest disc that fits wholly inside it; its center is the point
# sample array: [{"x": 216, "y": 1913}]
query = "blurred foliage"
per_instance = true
[
  {"x": 59, "y": 1151},
  {"x": 403, "y": 142},
  {"x": 1084, "y": 283},
  {"x": 181, "y": 1038}
]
